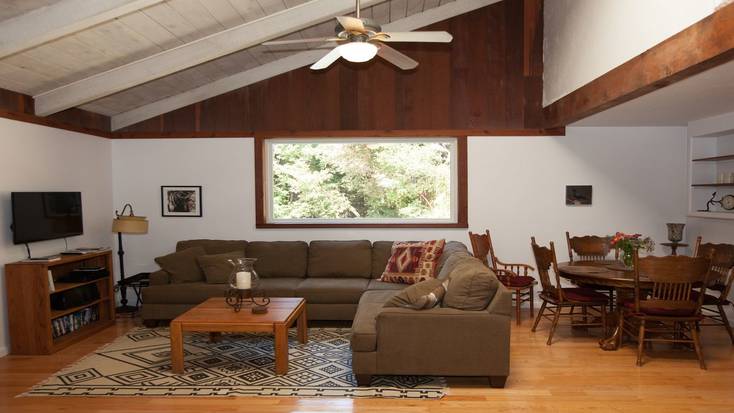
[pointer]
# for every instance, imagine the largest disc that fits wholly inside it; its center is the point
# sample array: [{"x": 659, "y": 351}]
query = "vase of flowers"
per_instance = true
[{"x": 628, "y": 243}]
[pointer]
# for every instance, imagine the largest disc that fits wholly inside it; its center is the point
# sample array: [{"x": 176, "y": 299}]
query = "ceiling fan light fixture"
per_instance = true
[{"x": 357, "y": 52}]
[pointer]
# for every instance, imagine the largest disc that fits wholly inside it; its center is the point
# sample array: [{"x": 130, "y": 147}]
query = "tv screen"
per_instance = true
[{"x": 39, "y": 216}]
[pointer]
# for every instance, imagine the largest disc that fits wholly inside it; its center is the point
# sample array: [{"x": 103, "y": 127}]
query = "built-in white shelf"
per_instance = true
[{"x": 712, "y": 215}]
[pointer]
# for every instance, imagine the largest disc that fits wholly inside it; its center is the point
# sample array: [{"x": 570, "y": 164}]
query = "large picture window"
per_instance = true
[{"x": 379, "y": 182}]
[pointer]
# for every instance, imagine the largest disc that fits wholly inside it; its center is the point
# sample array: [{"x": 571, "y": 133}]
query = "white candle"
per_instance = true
[{"x": 244, "y": 280}]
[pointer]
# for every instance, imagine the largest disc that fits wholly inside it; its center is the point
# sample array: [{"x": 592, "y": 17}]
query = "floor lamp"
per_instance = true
[{"x": 126, "y": 224}]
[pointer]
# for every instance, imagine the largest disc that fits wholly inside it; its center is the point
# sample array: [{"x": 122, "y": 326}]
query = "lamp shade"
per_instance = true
[
  {"x": 357, "y": 52},
  {"x": 127, "y": 224}
]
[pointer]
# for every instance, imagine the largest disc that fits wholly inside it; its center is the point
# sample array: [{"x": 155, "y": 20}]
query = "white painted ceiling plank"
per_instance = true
[
  {"x": 190, "y": 54},
  {"x": 281, "y": 66},
  {"x": 61, "y": 19}
]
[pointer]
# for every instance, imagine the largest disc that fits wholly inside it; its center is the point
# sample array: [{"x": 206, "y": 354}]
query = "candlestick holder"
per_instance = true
[{"x": 243, "y": 287}]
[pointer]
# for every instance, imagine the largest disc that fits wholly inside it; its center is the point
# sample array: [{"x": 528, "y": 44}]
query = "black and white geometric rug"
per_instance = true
[{"x": 138, "y": 364}]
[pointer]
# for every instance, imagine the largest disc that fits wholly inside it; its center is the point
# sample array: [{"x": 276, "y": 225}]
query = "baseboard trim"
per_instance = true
[{"x": 4, "y": 351}]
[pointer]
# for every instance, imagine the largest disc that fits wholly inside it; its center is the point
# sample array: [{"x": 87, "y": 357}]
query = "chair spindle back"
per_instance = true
[
  {"x": 674, "y": 278},
  {"x": 589, "y": 248},
  {"x": 722, "y": 264},
  {"x": 545, "y": 260}
]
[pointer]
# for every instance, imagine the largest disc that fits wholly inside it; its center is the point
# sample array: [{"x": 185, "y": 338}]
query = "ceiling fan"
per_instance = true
[{"x": 360, "y": 39}]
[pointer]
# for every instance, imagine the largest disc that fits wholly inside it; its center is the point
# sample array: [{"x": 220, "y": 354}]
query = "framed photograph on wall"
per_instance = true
[
  {"x": 578, "y": 195},
  {"x": 181, "y": 201}
]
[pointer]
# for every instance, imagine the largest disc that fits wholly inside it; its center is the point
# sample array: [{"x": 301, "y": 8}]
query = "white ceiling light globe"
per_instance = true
[{"x": 357, "y": 52}]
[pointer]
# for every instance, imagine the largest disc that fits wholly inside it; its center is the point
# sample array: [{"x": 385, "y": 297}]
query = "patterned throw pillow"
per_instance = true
[{"x": 413, "y": 262}]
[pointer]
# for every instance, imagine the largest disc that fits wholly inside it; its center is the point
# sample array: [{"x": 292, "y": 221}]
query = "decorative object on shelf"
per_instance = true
[
  {"x": 726, "y": 202},
  {"x": 578, "y": 195},
  {"x": 628, "y": 243},
  {"x": 181, "y": 201},
  {"x": 243, "y": 283},
  {"x": 675, "y": 232},
  {"x": 126, "y": 224}
]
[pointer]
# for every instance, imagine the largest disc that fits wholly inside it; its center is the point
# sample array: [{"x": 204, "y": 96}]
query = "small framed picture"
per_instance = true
[
  {"x": 181, "y": 201},
  {"x": 578, "y": 195}
]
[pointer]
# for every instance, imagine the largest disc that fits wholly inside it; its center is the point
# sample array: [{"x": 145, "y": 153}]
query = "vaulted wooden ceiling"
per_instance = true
[{"x": 136, "y": 59}]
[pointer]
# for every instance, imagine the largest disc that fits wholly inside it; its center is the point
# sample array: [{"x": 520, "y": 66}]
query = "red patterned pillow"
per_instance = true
[{"x": 413, "y": 262}]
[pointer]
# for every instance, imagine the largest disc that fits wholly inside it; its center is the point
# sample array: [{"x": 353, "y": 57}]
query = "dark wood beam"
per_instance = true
[{"x": 701, "y": 46}]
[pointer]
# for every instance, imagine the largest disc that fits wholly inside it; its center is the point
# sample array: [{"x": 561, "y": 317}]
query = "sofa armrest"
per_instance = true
[
  {"x": 501, "y": 303},
  {"x": 159, "y": 277},
  {"x": 443, "y": 341}
]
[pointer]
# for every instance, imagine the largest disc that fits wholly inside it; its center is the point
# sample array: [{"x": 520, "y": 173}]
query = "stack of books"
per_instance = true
[{"x": 74, "y": 321}]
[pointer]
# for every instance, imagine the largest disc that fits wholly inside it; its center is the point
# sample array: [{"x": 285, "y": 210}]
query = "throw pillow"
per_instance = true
[
  {"x": 412, "y": 262},
  {"x": 217, "y": 267},
  {"x": 423, "y": 295},
  {"x": 471, "y": 286},
  {"x": 182, "y": 265}
]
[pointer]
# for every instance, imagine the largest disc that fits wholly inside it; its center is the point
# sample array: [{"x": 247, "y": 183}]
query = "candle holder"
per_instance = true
[{"x": 243, "y": 283}]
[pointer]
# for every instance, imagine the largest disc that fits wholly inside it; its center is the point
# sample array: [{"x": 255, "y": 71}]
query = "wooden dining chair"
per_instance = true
[
  {"x": 592, "y": 248},
  {"x": 513, "y": 276},
  {"x": 556, "y": 299},
  {"x": 669, "y": 310},
  {"x": 721, "y": 278}
]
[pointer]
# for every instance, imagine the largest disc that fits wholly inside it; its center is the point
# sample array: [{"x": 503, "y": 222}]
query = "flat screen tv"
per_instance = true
[{"x": 39, "y": 216}]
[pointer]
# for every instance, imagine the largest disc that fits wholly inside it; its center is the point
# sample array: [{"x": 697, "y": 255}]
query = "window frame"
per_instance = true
[{"x": 262, "y": 177}]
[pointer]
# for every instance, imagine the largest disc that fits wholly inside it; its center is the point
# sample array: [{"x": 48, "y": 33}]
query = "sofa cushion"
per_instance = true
[
  {"x": 182, "y": 265},
  {"x": 279, "y": 258},
  {"x": 364, "y": 326},
  {"x": 187, "y": 293},
  {"x": 413, "y": 262},
  {"x": 213, "y": 246},
  {"x": 381, "y": 285},
  {"x": 449, "y": 249},
  {"x": 471, "y": 286},
  {"x": 217, "y": 267},
  {"x": 449, "y": 260},
  {"x": 336, "y": 259},
  {"x": 381, "y": 252},
  {"x": 280, "y": 286},
  {"x": 420, "y": 296},
  {"x": 332, "y": 290}
]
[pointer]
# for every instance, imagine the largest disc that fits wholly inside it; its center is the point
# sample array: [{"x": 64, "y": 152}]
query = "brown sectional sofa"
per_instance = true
[{"x": 340, "y": 281}]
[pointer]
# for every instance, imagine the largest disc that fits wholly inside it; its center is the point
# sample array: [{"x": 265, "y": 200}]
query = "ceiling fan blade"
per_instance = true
[
  {"x": 398, "y": 59},
  {"x": 351, "y": 24},
  {"x": 433, "y": 37},
  {"x": 297, "y": 41},
  {"x": 327, "y": 60}
]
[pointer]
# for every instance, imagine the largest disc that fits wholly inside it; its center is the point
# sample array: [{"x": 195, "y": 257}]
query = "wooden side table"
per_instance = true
[{"x": 674, "y": 246}]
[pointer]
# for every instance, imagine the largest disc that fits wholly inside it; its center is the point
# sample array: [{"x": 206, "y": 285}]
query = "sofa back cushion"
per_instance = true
[
  {"x": 471, "y": 286},
  {"x": 381, "y": 252},
  {"x": 213, "y": 246},
  {"x": 448, "y": 250},
  {"x": 183, "y": 265},
  {"x": 347, "y": 259},
  {"x": 279, "y": 258}
]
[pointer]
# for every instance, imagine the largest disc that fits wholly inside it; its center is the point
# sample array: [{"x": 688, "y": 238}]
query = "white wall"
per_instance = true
[
  {"x": 586, "y": 38},
  {"x": 516, "y": 189},
  {"x": 37, "y": 158}
]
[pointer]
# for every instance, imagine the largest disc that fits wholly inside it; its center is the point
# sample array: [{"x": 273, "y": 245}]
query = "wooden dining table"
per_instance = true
[{"x": 607, "y": 274}]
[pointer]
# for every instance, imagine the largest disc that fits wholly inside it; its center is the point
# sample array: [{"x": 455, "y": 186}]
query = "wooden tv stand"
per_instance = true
[{"x": 29, "y": 302}]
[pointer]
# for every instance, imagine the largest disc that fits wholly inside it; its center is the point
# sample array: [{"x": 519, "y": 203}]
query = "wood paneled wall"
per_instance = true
[
  {"x": 489, "y": 77},
  {"x": 18, "y": 106}
]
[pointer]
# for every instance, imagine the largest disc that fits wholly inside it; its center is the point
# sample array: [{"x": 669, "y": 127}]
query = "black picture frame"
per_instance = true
[
  {"x": 579, "y": 195},
  {"x": 181, "y": 201}
]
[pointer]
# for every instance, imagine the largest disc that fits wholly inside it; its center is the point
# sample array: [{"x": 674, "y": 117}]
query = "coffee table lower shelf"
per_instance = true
[{"x": 215, "y": 317}]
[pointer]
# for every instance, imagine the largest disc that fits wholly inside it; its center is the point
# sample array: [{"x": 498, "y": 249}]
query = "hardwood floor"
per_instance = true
[{"x": 571, "y": 375}]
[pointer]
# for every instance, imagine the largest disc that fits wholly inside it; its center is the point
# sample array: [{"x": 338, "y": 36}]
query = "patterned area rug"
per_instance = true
[{"x": 138, "y": 364}]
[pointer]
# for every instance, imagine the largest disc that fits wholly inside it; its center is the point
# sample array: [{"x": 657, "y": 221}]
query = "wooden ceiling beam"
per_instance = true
[
  {"x": 283, "y": 65},
  {"x": 701, "y": 46},
  {"x": 193, "y": 53},
  {"x": 61, "y": 19}
]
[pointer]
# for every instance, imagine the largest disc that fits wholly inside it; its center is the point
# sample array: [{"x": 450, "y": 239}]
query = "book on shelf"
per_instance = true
[
  {"x": 51, "y": 285},
  {"x": 69, "y": 323}
]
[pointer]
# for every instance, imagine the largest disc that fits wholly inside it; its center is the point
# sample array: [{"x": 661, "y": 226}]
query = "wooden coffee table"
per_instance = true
[{"x": 215, "y": 316}]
